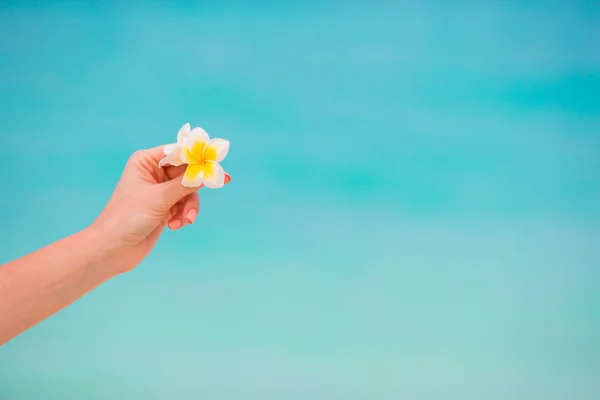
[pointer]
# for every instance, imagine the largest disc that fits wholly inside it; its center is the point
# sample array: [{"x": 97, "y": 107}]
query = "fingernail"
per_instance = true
[
  {"x": 174, "y": 224},
  {"x": 227, "y": 178},
  {"x": 191, "y": 216}
]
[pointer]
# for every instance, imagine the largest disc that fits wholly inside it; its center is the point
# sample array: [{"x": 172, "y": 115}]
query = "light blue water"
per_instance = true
[{"x": 414, "y": 211}]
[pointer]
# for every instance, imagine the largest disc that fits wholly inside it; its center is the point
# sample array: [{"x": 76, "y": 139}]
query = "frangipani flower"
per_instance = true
[{"x": 202, "y": 155}]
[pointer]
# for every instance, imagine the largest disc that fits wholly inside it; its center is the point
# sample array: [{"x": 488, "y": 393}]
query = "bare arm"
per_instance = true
[
  {"x": 36, "y": 286},
  {"x": 146, "y": 199}
]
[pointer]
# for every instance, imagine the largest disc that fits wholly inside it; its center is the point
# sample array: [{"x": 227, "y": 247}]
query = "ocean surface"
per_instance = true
[{"x": 414, "y": 211}]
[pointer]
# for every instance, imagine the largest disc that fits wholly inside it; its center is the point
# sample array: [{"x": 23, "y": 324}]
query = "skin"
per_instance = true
[{"x": 146, "y": 199}]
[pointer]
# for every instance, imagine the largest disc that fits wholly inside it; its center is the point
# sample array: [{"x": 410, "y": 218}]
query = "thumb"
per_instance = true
[{"x": 172, "y": 191}]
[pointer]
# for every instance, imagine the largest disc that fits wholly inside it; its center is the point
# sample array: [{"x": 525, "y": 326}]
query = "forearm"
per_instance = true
[{"x": 42, "y": 283}]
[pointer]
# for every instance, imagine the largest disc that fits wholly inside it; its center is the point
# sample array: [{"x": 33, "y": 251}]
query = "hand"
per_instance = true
[{"x": 146, "y": 199}]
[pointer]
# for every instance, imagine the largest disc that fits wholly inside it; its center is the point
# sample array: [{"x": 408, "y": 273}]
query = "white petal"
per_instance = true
[
  {"x": 172, "y": 153},
  {"x": 184, "y": 132},
  {"x": 193, "y": 176},
  {"x": 170, "y": 160},
  {"x": 170, "y": 148},
  {"x": 214, "y": 176},
  {"x": 193, "y": 146},
  {"x": 199, "y": 133},
  {"x": 216, "y": 150}
]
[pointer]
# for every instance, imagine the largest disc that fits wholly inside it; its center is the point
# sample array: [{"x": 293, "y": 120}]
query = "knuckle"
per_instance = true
[{"x": 137, "y": 155}]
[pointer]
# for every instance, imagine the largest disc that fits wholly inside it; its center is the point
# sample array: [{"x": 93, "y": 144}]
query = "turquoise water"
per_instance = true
[{"x": 414, "y": 211}]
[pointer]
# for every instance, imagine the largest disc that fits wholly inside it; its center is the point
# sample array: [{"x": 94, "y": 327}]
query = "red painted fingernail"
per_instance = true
[
  {"x": 191, "y": 216},
  {"x": 174, "y": 224},
  {"x": 227, "y": 178}
]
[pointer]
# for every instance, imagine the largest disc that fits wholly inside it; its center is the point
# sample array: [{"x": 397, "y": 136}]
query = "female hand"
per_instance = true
[{"x": 145, "y": 200}]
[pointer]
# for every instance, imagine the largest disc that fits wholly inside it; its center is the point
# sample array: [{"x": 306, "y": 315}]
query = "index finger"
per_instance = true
[{"x": 155, "y": 153}]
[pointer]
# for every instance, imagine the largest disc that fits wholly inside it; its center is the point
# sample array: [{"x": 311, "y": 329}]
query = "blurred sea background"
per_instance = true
[{"x": 414, "y": 211}]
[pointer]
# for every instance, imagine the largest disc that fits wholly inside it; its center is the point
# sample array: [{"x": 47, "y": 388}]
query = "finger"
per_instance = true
[
  {"x": 177, "y": 221},
  {"x": 153, "y": 156},
  {"x": 185, "y": 212},
  {"x": 174, "y": 221},
  {"x": 174, "y": 172},
  {"x": 173, "y": 191},
  {"x": 191, "y": 207},
  {"x": 171, "y": 212},
  {"x": 156, "y": 153}
]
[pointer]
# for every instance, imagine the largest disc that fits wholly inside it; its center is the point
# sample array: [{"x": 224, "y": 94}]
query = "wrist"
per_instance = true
[{"x": 104, "y": 250}]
